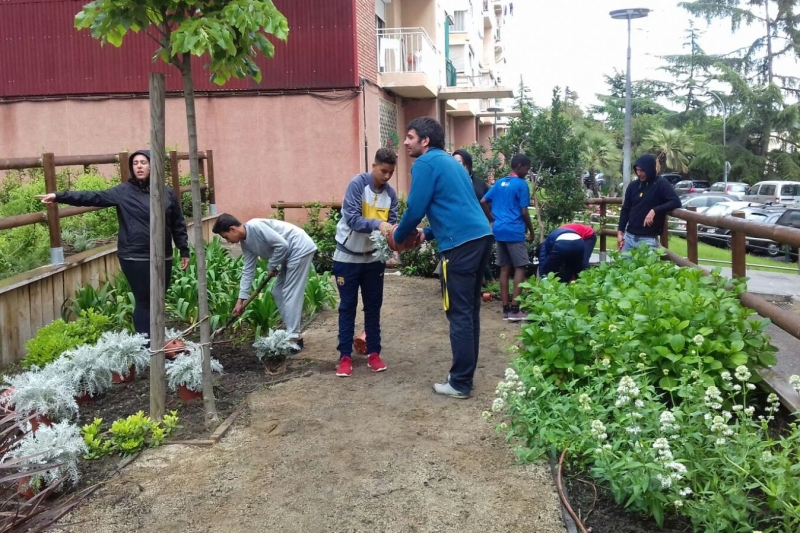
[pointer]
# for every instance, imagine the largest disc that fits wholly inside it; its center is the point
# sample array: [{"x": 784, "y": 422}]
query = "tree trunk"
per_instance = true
[
  {"x": 209, "y": 402},
  {"x": 538, "y": 207}
]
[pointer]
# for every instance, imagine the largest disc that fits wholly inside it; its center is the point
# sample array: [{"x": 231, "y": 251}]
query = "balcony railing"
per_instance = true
[
  {"x": 403, "y": 50},
  {"x": 452, "y": 78}
]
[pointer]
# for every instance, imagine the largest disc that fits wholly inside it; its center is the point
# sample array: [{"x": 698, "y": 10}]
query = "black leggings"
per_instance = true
[{"x": 138, "y": 275}]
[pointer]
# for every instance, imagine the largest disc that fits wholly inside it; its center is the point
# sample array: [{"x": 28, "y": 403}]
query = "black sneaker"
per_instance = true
[
  {"x": 515, "y": 315},
  {"x": 506, "y": 311}
]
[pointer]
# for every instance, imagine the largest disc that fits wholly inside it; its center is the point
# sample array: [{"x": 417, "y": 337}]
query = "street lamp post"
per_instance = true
[
  {"x": 494, "y": 110},
  {"x": 628, "y": 14},
  {"x": 726, "y": 165}
]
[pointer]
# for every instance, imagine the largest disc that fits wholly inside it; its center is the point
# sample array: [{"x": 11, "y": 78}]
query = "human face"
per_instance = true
[
  {"x": 235, "y": 235},
  {"x": 414, "y": 145},
  {"x": 461, "y": 160},
  {"x": 641, "y": 173},
  {"x": 381, "y": 174},
  {"x": 141, "y": 167}
]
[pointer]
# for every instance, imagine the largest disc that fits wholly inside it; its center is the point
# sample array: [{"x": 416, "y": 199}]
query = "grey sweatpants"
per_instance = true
[{"x": 289, "y": 290}]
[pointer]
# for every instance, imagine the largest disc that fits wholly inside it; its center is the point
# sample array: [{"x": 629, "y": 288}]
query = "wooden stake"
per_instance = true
[{"x": 157, "y": 245}]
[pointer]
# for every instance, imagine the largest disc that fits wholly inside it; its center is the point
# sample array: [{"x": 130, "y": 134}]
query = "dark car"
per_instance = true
[
  {"x": 789, "y": 218},
  {"x": 721, "y": 236},
  {"x": 671, "y": 177},
  {"x": 691, "y": 187},
  {"x": 733, "y": 188}
]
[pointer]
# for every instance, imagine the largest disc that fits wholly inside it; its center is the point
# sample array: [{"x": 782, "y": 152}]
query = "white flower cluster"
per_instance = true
[
  {"x": 510, "y": 386},
  {"x": 699, "y": 340},
  {"x": 773, "y": 405},
  {"x": 668, "y": 424},
  {"x": 742, "y": 373},
  {"x": 794, "y": 381},
  {"x": 676, "y": 470},
  {"x": 627, "y": 391},
  {"x": 599, "y": 430},
  {"x": 585, "y": 401},
  {"x": 713, "y": 398}
]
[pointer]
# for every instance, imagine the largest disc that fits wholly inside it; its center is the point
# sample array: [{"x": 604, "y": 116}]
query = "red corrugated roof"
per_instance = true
[{"x": 42, "y": 54}]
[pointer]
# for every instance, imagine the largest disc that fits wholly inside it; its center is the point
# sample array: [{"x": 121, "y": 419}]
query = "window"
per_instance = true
[
  {"x": 788, "y": 189},
  {"x": 379, "y": 23},
  {"x": 718, "y": 187},
  {"x": 767, "y": 190},
  {"x": 754, "y": 190},
  {"x": 460, "y": 18},
  {"x": 737, "y": 188}
]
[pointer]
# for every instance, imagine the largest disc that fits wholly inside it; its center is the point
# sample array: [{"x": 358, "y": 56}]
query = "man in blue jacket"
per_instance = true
[
  {"x": 645, "y": 207},
  {"x": 441, "y": 190}
]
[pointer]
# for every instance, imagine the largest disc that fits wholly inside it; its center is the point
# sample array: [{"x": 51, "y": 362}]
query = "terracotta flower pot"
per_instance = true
[
  {"x": 25, "y": 490},
  {"x": 85, "y": 399},
  {"x": 360, "y": 343},
  {"x": 174, "y": 348},
  {"x": 487, "y": 296},
  {"x": 408, "y": 244},
  {"x": 39, "y": 421},
  {"x": 116, "y": 378},
  {"x": 4, "y": 407},
  {"x": 187, "y": 395}
]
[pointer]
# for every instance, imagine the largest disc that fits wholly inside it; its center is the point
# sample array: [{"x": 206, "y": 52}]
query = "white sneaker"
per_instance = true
[{"x": 445, "y": 389}]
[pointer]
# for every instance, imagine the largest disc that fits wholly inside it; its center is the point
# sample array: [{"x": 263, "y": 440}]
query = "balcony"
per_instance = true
[
  {"x": 452, "y": 78},
  {"x": 489, "y": 18},
  {"x": 408, "y": 63}
]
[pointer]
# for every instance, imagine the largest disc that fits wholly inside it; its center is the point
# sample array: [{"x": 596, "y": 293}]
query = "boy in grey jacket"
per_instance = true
[{"x": 288, "y": 251}]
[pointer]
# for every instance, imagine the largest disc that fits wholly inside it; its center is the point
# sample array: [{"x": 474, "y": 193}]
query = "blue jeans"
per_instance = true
[
  {"x": 633, "y": 241},
  {"x": 589, "y": 243},
  {"x": 350, "y": 277},
  {"x": 565, "y": 259},
  {"x": 462, "y": 275}
]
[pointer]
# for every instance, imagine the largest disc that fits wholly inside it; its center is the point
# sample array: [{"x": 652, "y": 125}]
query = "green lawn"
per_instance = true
[{"x": 706, "y": 251}]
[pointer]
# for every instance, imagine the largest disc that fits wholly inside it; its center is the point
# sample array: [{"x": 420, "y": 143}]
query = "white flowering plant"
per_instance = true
[
  {"x": 643, "y": 313},
  {"x": 187, "y": 369},
  {"x": 57, "y": 446},
  {"x": 713, "y": 456}
]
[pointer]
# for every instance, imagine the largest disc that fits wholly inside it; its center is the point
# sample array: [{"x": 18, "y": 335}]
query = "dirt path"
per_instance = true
[{"x": 372, "y": 453}]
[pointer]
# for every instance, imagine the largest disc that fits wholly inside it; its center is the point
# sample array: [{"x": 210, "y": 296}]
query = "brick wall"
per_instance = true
[{"x": 367, "y": 42}]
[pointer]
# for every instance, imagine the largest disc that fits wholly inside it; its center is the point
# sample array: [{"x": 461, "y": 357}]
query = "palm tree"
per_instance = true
[
  {"x": 672, "y": 148},
  {"x": 599, "y": 153}
]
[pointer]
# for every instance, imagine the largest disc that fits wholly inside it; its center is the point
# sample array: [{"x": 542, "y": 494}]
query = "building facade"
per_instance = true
[{"x": 351, "y": 75}]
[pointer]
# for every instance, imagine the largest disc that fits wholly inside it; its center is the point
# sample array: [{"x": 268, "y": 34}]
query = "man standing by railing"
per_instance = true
[{"x": 645, "y": 207}]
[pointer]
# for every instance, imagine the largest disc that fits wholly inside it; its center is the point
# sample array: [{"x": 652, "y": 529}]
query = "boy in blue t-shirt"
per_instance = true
[{"x": 506, "y": 205}]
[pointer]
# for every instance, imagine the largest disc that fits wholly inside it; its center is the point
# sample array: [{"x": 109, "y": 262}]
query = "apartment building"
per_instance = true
[{"x": 351, "y": 76}]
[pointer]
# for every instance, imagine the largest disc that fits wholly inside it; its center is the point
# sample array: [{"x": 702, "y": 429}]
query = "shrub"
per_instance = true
[
  {"x": 643, "y": 311},
  {"x": 84, "y": 369},
  {"x": 58, "y": 445},
  {"x": 323, "y": 233},
  {"x": 276, "y": 346},
  {"x": 127, "y": 435},
  {"x": 112, "y": 299},
  {"x": 120, "y": 350},
  {"x": 59, "y": 336},
  {"x": 41, "y": 394},
  {"x": 187, "y": 370}
]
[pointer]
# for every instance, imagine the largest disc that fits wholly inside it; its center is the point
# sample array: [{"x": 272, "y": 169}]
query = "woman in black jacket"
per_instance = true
[{"x": 132, "y": 200}]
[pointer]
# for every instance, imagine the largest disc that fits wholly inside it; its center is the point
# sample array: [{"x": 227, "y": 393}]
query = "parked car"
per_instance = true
[
  {"x": 721, "y": 236},
  {"x": 705, "y": 200},
  {"x": 691, "y": 187},
  {"x": 774, "y": 192},
  {"x": 733, "y": 188},
  {"x": 672, "y": 177},
  {"x": 790, "y": 218}
]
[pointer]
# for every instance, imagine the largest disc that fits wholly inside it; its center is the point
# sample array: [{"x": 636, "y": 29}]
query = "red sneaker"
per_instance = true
[
  {"x": 375, "y": 363},
  {"x": 345, "y": 369}
]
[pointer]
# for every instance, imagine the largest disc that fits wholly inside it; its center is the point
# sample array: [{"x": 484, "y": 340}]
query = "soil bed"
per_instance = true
[{"x": 243, "y": 374}]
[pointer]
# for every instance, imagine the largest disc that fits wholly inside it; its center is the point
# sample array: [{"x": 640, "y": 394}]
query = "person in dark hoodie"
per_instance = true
[
  {"x": 132, "y": 200},
  {"x": 645, "y": 207},
  {"x": 480, "y": 186}
]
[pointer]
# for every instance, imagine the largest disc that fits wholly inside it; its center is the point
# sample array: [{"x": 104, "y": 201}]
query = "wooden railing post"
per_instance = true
[
  {"x": 691, "y": 239},
  {"x": 53, "y": 220},
  {"x": 212, "y": 197},
  {"x": 174, "y": 170},
  {"x": 201, "y": 168},
  {"x": 124, "y": 171},
  {"x": 738, "y": 251},
  {"x": 665, "y": 233},
  {"x": 603, "y": 237}
]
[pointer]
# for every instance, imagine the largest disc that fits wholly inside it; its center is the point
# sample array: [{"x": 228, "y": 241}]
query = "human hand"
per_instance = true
[
  {"x": 238, "y": 308},
  {"x": 620, "y": 240},
  {"x": 274, "y": 273},
  {"x": 184, "y": 263},
  {"x": 530, "y": 237},
  {"x": 47, "y": 199},
  {"x": 385, "y": 228},
  {"x": 648, "y": 220}
]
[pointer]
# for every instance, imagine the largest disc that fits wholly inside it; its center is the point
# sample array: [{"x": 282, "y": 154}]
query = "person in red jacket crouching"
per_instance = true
[{"x": 589, "y": 238}]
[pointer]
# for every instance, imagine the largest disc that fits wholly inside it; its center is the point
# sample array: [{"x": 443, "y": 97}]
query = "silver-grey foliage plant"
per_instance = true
[
  {"x": 187, "y": 369},
  {"x": 279, "y": 344},
  {"x": 58, "y": 445}
]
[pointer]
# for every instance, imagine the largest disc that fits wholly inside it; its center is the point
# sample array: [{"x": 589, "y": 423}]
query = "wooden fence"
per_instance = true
[{"x": 33, "y": 299}]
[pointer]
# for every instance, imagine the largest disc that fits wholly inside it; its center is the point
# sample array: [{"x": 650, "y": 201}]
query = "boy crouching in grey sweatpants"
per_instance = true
[{"x": 288, "y": 251}]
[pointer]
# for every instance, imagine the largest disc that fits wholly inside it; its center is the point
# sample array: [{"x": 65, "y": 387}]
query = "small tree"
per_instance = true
[{"x": 230, "y": 33}]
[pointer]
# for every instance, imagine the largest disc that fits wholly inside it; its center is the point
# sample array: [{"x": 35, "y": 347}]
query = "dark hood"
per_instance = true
[
  {"x": 647, "y": 162},
  {"x": 143, "y": 184}
]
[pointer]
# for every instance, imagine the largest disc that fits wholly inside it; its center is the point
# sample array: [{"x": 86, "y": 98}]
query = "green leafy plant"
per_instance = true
[
  {"x": 59, "y": 336},
  {"x": 643, "y": 311},
  {"x": 323, "y": 233},
  {"x": 127, "y": 435},
  {"x": 320, "y": 292}
]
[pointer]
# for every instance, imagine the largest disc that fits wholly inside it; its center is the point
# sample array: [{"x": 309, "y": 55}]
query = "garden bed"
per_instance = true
[{"x": 243, "y": 374}]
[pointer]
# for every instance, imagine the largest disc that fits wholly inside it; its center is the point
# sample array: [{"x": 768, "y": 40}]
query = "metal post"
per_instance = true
[{"x": 626, "y": 147}]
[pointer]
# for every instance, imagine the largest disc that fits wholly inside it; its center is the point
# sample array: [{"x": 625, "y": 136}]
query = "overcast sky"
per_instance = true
[{"x": 574, "y": 43}]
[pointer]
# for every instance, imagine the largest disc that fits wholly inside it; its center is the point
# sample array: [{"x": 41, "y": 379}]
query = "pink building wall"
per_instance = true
[
  {"x": 485, "y": 135},
  {"x": 463, "y": 132},
  {"x": 266, "y": 148}
]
